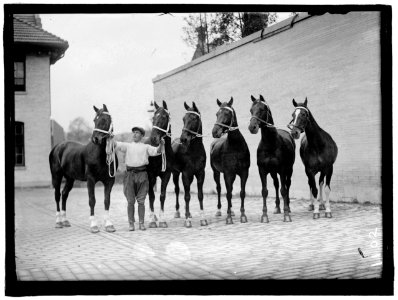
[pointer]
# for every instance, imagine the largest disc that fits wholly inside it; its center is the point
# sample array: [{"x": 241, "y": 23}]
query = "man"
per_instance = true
[{"x": 135, "y": 183}]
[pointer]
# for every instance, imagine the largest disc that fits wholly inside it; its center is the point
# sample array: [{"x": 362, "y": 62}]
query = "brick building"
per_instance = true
[
  {"x": 35, "y": 50},
  {"x": 333, "y": 59}
]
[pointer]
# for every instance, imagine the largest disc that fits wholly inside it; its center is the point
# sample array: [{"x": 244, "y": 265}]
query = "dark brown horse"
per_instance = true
[
  {"x": 161, "y": 165},
  {"x": 318, "y": 152},
  {"x": 275, "y": 155},
  {"x": 92, "y": 163},
  {"x": 190, "y": 160},
  {"x": 230, "y": 156}
]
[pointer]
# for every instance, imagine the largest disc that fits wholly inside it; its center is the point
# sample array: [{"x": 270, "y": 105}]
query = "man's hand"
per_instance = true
[{"x": 161, "y": 145}]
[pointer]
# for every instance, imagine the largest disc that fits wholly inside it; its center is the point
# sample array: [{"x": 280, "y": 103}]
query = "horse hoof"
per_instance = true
[
  {"x": 162, "y": 224},
  {"x": 289, "y": 210},
  {"x": 177, "y": 214},
  {"x": 264, "y": 219},
  {"x": 316, "y": 216},
  {"x": 277, "y": 210},
  {"x": 142, "y": 227},
  {"x": 218, "y": 214},
  {"x": 328, "y": 215},
  {"x": 287, "y": 218},
  {"x": 188, "y": 224},
  {"x": 153, "y": 225},
  {"x": 66, "y": 223},
  {"x": 311, "y": 207},
  {"x": 243, "y": 219},
  {"x": 94, "y": 229},
  {"x": 58, "y": 225},
  {"x": 322, "y": 207},
  {"x": 203, "y": 222},
  {"x": 229, "y": 221},
  {"x": 110, "y": 228},
  {"x": 232, "y": 213}
]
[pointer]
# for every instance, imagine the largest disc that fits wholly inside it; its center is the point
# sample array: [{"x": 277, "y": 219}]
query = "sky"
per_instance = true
[{"x": 111, "y": 60}]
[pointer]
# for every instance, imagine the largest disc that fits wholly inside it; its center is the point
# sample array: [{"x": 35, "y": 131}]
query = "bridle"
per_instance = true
[
  {"x": 229, "y": 127},
  {"x": 261, "y": 120},
  {"x": 167, "y": 127},
  {"x": 110, "y": 145},
  {"x": 195, "y": 134},
  {"x": 291, "y": 126}
]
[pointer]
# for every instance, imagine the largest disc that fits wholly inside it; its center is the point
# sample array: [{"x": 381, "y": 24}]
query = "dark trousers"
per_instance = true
[{"x": 135, "y": 187}]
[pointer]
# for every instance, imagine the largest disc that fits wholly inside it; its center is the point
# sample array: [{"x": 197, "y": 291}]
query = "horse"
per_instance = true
[
  {"x": 318, "y": 152},
  {"x": 275, "y": 155},
  {"x": 91, "y": 163},
  {"x": 190, "y": 160},
  {"x": 161, "y": 165},
  {"x": 230, "y": 156}
]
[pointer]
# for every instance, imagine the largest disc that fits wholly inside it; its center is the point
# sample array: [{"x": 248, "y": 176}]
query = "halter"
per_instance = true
[
  {"x": 230, "y": 127},
  {"x": 261, "y": 120},
  {"x": 110, "y": 146},
  {"x": 168, "y": 125},
  {"x": 196, "y": 134},
  {"x": 292, "y": 126}
]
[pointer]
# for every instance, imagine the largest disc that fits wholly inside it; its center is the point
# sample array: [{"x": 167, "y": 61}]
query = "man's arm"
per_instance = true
[
  {"x": 120, "y": 146},
  {"x": 153, "y": 151}
]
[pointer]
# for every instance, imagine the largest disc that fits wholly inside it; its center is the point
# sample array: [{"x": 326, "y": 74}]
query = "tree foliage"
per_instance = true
[{"x": 79, "y": 130}]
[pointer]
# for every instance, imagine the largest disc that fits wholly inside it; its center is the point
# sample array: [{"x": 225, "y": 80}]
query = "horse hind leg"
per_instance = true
[
  {"x": 321, "y": 182},
  {"x": 151, "y": 195},
  {"x": 165, "y": 181},
  {"x": 65, "y": 193},
  {"x": 243, "y": 180},
  {"x": 313, "y": 193},
  {"x": 328, "y": 212},
  {"x": 277, "y": 209},
  {"x": 200, "y": 178},
  {"x": 56, "y": 181},
  {"x": 285, "y": 195},
  {"x": 176, "y": 177},
  {"x": 216, "y": 176},
  {"x": 264, "y": 193},
  {"x": 229, "y": 181}
]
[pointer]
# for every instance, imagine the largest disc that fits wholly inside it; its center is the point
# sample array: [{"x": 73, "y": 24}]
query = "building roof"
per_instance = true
[{"x": 28, "y": 31}]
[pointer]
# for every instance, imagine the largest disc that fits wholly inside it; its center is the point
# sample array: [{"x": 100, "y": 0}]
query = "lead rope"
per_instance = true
[{"x": 110, "y": 155}]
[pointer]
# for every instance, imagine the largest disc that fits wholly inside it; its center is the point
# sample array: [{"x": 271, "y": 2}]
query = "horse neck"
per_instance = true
[
  {"x": 314, "y": 133},
  {"x": 235, "y": 136},
  {"x": 99, "y": 150},
  {"x": 167, "y": 146},
  {"x": 268, "y": 135}
]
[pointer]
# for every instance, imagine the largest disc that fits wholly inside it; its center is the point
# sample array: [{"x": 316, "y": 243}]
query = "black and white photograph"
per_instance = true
[{"x": 198, "y": 149}]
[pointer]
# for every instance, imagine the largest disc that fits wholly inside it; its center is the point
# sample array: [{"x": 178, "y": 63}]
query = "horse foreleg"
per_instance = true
[
  {"x": 151, "y": 195},
  {"x": 165, "y": 181},
  {"x": 216, "y": 176},
  {"x": 328, "y": 212},
  {"x": 313, "y": 192},
  {"x": 65, "y": 192},
  {"x": 229, "y": 181},
  {"x": 288, "y": 184},
  {"x": 176, "y": 177},
  {"x": 186, "y": 181},
  {"x": 91, "y": 200},
  {"x": 277, "y": 209},
  {"x": 200, "y": 178},
  {"x": 243, "y": 180},
  {"x": 321, "y": 203},
  {"x": 107, "y": 202},
  {"x": 264, "y": 193},
  {"x": 284, "y": 193}
]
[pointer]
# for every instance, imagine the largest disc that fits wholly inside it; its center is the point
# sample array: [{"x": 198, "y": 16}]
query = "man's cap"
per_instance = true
[{"x": 140, "y": 129}]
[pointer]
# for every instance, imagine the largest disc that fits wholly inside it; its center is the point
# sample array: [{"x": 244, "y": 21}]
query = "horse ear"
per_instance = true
[
  {"x": 156, "y": 105},
  {"x": 186, "y": 105},
  {"x": 164, "y": 104},
  {"x": 104, "y": 107},
  {"x": 305, "y": 102},
  {"x": 262, "y": 98},
  {"x": 231, "y": 101},
  {"x": 294, "y": 103},
  {"x": 194, "y": 107},
  {"x": 218, "y": 102},
  {"x": 253, "y": 99},
  {"x": 96, "y": 109}
]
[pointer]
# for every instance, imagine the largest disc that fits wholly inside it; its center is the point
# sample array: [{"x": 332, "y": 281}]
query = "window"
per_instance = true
[
  {"x": 19, "y": 144},
  {"x": 19, "y": 75}
]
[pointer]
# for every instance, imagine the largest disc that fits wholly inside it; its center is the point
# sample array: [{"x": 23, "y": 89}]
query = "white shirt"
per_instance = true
[{"x": 137, "y": 153}]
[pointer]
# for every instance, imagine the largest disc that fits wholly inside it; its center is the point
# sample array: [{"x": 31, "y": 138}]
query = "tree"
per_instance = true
[{"x": 79, "y": 130}]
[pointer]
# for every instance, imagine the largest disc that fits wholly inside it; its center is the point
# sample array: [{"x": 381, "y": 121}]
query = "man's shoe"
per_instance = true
[
  {"x": 131, "y": 227},
  {"x": 142, "y": 226}
]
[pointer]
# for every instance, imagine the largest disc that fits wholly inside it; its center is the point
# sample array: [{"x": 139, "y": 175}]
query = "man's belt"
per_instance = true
[{"x": 136, "y": 169}]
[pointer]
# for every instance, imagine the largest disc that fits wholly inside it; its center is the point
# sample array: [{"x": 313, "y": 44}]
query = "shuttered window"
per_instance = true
[
  {"x": 19, "y": 144},
  {"x": 19, "y": 75}
]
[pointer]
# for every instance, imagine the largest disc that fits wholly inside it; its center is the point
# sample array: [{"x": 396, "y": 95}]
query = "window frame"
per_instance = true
[
  {"x": 20, "y": 87},
  {"x": 19, "y": 144}
]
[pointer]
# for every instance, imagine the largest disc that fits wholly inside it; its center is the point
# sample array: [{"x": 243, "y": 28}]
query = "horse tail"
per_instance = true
[{"x": 55, "y": 164}]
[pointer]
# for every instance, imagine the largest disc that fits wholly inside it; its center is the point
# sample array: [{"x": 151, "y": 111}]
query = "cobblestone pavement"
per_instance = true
[{"x": 304, "y": 249}]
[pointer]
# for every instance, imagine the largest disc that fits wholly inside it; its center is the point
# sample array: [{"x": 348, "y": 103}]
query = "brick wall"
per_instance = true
[
  {"x": 33, "y": 108},
  {"x": 334, "y": 60}
]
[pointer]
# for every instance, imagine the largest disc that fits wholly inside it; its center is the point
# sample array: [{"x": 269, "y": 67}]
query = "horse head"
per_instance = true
[
  {"x": 103, "y": 127},
  {"x": 261, "y": 115},
  {"x": 160, "y": 124},
  {"x": 300, "y": 120},
  {"x": 192, "y": 125},
  {"x": 226, "y": 119}
]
